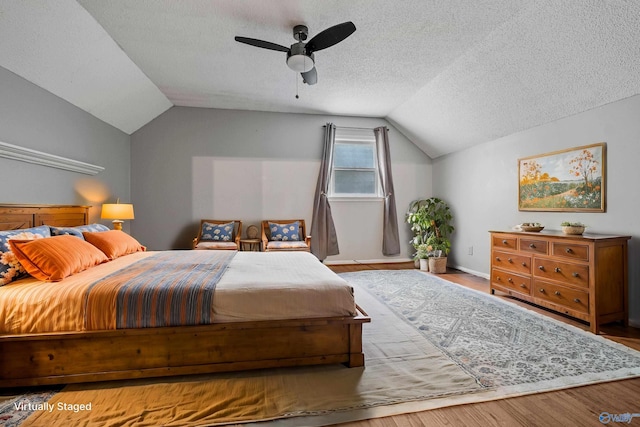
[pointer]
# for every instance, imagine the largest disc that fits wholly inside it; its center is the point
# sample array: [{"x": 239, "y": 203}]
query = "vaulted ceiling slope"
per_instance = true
[{"x": 448, "y": 74}]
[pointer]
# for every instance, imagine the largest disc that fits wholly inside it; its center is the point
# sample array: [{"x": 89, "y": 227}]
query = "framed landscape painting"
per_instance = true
[{"x": 571, "y": 180}]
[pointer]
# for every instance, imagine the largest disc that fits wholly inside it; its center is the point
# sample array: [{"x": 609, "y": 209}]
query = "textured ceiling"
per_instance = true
[{"x": 449, "y": 74}]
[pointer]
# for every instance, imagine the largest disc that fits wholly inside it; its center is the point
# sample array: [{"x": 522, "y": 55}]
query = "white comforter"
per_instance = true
[{"x": 280, "y": 285}]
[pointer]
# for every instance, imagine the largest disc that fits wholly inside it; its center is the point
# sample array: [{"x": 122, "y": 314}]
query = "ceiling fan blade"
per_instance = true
[
  {"x": 330, "y": 36},
  {"x": 261, "y": 43},
  {"x": 310, "y": 77}
]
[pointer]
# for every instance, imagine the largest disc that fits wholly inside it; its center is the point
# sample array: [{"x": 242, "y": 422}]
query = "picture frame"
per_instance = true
[{"x": 571, "y": 180}]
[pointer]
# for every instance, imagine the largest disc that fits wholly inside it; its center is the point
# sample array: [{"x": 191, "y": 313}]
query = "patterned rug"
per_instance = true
[
  {"x": 14, "y": 411},
  {"x": 502, "y": 345}
]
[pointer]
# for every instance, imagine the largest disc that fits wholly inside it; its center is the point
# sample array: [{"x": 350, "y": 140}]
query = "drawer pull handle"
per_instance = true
[
  {"x": 541, "y": 267},
  {"x": 532, "y": 246},
  {"x": 542, "y": 290},
  {"x": 498, "y": 278},
  {"x": 522, "y": 285},
  {"x": 569, "y": 250},
  {"x": 576, "y": 274},
  {"x": 504, "y": 242},
  {"x": 557, "y": 270},
  {"x": 510, "y": 280},
  {"x": 576, "y": 300},
  {"x": 557, "y": 293},
  {"x": 524, "y": 264},
  {"x": 498, "y": 258},
  {"x": 510, "y": 260}
]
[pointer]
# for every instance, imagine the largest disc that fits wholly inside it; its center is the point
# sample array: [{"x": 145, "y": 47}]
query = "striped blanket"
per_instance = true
[{"x": 171, "y": 288}]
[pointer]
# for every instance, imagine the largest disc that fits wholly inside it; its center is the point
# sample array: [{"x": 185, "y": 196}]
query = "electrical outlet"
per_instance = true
[{"x": 470, "y": 250}]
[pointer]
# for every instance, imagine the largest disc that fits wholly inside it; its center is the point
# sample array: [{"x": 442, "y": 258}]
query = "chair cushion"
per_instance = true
[
  {"x": 285, "y": 232},
  {"x": 10, "y": 267},
  {"x": 216, "y": 245},
  {"x": 217, "y": 232},
  {"x": 290, "y": 245}
]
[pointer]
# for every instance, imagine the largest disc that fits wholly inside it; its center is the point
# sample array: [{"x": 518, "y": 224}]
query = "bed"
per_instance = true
[{"x": 246, "y": 332}]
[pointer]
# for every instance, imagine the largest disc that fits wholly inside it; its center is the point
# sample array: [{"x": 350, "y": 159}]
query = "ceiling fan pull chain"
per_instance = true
[{"x": 297, "y": 97}]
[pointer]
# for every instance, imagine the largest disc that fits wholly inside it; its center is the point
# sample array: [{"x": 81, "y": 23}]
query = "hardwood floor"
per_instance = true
[{"x": 579, "y": 406}]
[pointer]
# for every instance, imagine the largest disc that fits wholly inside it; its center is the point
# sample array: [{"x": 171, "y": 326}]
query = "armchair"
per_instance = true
[
  {"x": 285, "y": 235},
  {"x": 218, "y": 234}
]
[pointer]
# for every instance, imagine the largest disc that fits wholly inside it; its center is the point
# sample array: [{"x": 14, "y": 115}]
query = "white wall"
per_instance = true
[
  {"x": 33, "y": 118},
  {"x": 481, "y": 185},
  {"x": 193, "y": 163}
]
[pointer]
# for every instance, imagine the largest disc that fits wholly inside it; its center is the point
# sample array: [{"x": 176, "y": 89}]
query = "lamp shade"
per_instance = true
[{"x": 117, "y": 211}]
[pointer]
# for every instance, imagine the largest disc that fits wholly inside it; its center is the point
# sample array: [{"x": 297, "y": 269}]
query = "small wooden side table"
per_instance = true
[{"x": 250, "y": 245}]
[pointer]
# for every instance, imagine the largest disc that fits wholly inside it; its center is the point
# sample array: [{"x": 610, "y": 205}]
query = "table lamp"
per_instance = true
[{"x": 117, "y": 212}]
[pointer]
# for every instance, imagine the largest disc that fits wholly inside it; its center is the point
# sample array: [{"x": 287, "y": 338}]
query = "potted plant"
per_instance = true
[
  {"x": 422, "y": 256},
  {"x": 430, "y": 218},
  {"x": 417, "y": 217},
  {"x": 572, "y": 227}
]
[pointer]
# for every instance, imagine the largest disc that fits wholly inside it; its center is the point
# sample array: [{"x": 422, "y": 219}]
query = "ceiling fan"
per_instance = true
[{"x": 300, "y": 56}]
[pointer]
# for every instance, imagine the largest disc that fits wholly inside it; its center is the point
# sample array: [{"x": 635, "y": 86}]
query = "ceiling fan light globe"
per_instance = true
[{"x": 300, "y": 63}]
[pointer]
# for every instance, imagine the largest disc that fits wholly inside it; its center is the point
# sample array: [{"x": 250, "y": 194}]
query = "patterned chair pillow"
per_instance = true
[
  {"x": 77, "y": 231},
  {"x": 217, "y": 232},
  {"x": 285, "y": 232},
  {"x": 10, "y": 267}
]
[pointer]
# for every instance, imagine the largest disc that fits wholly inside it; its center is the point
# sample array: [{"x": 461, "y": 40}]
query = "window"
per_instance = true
[{"x": 354, "y": 172}]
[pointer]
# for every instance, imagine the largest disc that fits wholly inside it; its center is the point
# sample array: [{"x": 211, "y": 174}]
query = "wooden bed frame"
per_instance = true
[{"x": 73, "y": 357}]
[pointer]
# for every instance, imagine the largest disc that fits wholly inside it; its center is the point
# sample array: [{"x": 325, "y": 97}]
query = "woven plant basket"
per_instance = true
[{"x": 438, "y": 265}]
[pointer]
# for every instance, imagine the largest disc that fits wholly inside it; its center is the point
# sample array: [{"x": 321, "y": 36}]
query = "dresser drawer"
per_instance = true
[
  {"x": 510, "y": 280},
  {"x": 505, "y": 242},
  {"x": 534, "y": 246},
  {"x": 571, "y": 298},
  {"x": 512, "y": 262},
  {"x": 576, "y": 274},
  {"x": 570, "y": 250}
]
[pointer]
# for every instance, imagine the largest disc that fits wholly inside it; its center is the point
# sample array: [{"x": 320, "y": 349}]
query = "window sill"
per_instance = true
[{"x": 355, "y": 199}]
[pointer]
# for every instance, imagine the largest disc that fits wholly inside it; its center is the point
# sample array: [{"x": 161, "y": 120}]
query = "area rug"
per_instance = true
[
  {"x": 14, "y": 410},
  {"x": 431, "y": 344},
  {"x": 501, "y": 344}
]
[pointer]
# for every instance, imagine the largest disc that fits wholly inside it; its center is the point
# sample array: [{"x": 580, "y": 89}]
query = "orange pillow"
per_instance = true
[
  {"x": 114, "y": 243},
  {"x": 54, "y": 258}
]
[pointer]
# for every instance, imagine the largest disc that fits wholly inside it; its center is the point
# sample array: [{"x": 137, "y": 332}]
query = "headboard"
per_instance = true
[{"x": 14, "y": 217}]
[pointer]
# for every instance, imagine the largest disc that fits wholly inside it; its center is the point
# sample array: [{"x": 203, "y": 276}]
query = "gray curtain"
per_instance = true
[
  {"x": 390, "y": 236},
  {"x": 324, "y": 241}
]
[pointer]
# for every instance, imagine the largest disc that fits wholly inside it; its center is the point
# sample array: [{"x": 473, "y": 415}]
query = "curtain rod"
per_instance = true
[{"x": 352, "y": 127}]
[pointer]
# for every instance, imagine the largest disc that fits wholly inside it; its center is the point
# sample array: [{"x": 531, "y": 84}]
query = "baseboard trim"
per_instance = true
[
  {"x": 367, "y": 261},
  {"x": 470, "y": 271}
]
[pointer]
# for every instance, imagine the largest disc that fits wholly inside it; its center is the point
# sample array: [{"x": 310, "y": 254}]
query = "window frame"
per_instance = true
[{"x": 355, "y": 137}]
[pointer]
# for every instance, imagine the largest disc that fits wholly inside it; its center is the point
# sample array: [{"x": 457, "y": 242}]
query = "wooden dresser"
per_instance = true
[{"x": 582, "y": 276}]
